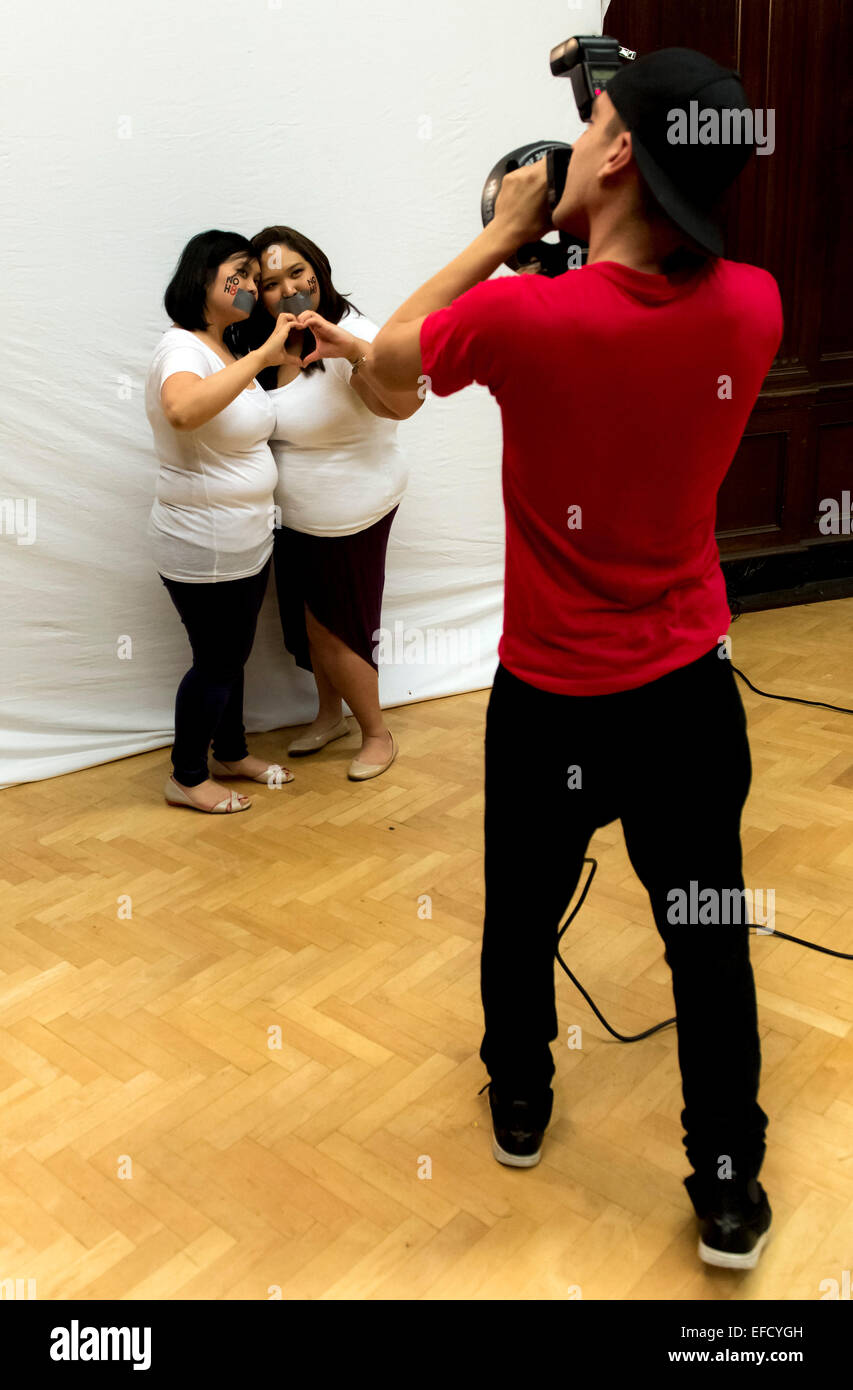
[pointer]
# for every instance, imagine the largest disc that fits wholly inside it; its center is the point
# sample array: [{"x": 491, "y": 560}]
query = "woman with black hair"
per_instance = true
[
  {"x": 212, "y": 519},
  {"x": 341, "y": 477}
]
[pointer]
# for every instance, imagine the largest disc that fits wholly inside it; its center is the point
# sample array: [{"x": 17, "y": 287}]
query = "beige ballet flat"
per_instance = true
[
  {"x": 359, "y": 772},
  {"x": 176, "y": 796},
  {"x": 274, "y": 776},
  {"x": 312, "y": 743}
]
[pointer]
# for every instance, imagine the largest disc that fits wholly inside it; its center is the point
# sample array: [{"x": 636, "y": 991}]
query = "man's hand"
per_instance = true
[
  {"x": 521, "y": 207},
  {"x": 521, "y": 215}
]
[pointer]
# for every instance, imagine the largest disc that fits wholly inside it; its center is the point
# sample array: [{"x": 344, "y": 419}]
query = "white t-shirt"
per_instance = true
[
  {"x": 213, "y": 516},
  {"x": 340, "y": 467}
]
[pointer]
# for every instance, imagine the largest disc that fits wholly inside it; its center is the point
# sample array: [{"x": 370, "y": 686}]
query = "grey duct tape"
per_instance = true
[
  {"x": 294, "y": 303},
  {"x": 244, "y": 301}
]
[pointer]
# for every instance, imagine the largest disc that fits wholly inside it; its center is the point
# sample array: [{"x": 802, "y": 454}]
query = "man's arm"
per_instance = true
[
  {"x": 393, "y": 369},
  {"x": 389, "y": 405},
  {"x": 394, "y": 357}
]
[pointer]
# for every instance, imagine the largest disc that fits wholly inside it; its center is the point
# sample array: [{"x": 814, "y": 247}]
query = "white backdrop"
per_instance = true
[{"x": 128, "y": 128}]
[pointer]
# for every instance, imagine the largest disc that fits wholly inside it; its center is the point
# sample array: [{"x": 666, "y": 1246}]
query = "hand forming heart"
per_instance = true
[
  {"x": 293, "y": 343},
  {"x": 331, "y": 339}
]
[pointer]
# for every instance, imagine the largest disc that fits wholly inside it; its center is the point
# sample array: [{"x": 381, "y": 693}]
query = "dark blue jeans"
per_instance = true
[
  {"x": 220, "y": 620},
  {"x": 671, "y": 760}
]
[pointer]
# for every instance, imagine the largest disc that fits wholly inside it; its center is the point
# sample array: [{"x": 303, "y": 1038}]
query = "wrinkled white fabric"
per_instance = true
[{"x": 126, "y": 129}]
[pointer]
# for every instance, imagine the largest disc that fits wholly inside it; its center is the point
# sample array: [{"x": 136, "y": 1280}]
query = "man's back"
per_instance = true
[{"x": 623, "y": 398}]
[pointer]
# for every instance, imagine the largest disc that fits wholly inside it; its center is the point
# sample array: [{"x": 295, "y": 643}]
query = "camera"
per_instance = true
[{"x": 589, "y": 61}]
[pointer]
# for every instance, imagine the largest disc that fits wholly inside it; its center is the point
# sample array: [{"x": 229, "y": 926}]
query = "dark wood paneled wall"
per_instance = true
[{"x": 792, "y": 213}]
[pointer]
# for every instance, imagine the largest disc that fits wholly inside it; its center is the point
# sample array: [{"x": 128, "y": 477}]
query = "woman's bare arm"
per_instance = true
[{"x": 189, "y": 401}]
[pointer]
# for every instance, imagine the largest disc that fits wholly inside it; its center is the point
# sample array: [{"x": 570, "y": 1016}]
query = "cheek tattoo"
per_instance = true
[
  {"x": 231, "y": 284},
  {"x": 312, "y": 284}
]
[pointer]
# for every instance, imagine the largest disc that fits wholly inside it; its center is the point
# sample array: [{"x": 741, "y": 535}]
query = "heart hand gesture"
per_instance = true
[
  {"x": 281, "y": 348},
  {"x": 331, "y": 339}
]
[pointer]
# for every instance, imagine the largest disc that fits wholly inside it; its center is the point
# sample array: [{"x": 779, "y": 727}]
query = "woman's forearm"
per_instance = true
[{"x": 190, "y": 404}]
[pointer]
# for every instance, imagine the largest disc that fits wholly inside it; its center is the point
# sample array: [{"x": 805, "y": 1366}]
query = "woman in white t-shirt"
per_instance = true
[
  {"x": 341, "y": 476},
  {"x": 211, "y": 523}
]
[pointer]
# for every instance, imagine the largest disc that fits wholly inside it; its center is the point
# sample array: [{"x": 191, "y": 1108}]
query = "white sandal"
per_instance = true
[
  {"x": 233, "y": 802},
  {"x": 274, "y": 776}
]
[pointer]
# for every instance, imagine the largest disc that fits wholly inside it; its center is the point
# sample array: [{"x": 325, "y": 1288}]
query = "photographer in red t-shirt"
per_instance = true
[{"x": 624, "y": 388}]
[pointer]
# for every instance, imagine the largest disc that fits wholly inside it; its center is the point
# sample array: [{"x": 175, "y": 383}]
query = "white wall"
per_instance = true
[{"x": 128, "y": 128}]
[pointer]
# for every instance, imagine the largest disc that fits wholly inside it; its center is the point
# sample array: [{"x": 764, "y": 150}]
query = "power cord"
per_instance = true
[
  {"x": 812, "y": 945},
  {"x": 840, "y": 709}
]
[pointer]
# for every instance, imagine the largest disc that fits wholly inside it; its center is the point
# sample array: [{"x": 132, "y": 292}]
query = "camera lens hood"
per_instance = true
[{"x": 551, "y": 257}]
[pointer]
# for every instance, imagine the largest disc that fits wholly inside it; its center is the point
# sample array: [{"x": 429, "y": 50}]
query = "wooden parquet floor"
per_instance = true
[{"x": 239, "y": 1055}]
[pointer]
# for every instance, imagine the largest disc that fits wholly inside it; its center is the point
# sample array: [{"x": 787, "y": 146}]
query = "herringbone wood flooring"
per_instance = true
[{"x": 154, "y": 1144}]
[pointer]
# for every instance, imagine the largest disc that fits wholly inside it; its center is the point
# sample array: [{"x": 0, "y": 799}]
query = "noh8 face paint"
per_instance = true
[{"x": 241, "y": 299}]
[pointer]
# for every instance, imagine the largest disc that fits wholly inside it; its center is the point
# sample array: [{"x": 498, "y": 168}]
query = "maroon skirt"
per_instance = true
[{"x": 341, "y": 578}]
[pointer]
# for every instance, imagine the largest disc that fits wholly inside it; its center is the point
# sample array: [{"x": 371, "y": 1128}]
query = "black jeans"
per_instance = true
[
  {"x": 671, "y": 760},
  {"x": 220, "y": 620}
]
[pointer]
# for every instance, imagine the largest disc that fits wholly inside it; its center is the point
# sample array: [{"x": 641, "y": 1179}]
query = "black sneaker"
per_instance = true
[
  {"x": 735, "y": 1228},
  {"x": 519, "y": 1126}
]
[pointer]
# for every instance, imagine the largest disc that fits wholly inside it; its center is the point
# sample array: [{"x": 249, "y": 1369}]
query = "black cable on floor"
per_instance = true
[
  {"x": 840, "y": 709},
  {"x": 812, "y": 945},
  {"x": 637, "y": 1037}
]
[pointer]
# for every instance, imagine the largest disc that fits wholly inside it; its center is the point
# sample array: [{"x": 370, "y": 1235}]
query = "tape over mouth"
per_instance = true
[
  {"x": 294, "y": 303},
  {"x": 244, "y": 301}
]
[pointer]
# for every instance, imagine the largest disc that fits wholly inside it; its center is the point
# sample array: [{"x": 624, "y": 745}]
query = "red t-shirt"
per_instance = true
[{"x": 625, "y": 396}]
